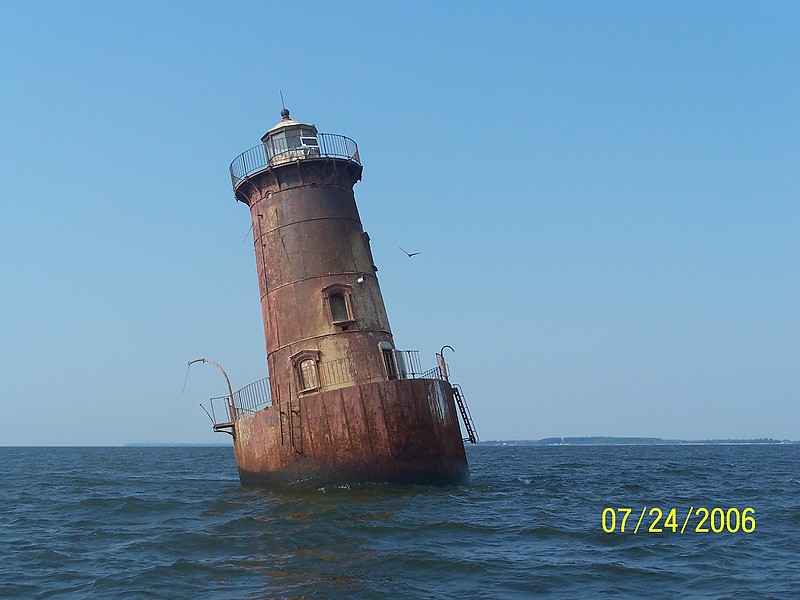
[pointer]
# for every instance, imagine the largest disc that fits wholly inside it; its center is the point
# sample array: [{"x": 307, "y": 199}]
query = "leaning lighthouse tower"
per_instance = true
[{"x": 345, "y": 404}]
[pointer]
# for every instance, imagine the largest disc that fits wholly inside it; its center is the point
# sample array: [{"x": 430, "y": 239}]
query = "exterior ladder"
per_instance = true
[
  {"x": 458, "y": 394},
  {"x": 290, "y": 420}
]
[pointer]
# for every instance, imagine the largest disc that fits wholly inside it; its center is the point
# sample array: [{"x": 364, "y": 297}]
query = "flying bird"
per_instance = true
[{"x": 410, "y": 254}]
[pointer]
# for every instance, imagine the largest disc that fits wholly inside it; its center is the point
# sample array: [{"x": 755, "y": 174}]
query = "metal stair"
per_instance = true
[{"x": 458, "y": 394}]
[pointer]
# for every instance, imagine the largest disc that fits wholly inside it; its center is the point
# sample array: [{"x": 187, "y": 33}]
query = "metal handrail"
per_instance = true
[
  {"x": 248, "y": 399},
  {"x": 406, "y": 366},
  {"x": 434, "y": 373},
  {"x": 257, "y": 395},
  {"x": 252, "y": 397},
  {"x": 256, "y": 160}
]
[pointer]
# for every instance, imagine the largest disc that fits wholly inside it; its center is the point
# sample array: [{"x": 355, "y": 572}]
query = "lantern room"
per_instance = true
[{"x": 290, "y": 141}]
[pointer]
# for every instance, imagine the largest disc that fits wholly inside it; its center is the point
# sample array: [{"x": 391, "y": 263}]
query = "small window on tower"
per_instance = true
[
  {"x": 389, "y": 360},
  {"x": 276, "y": 144},
  {"x": 339, "y": 308},
  {"x": 309, "y": 378},
  {"x": 293, "y": 139},
  {"x": 306, "y": 367},
  {"x": 338, "y": 305}
]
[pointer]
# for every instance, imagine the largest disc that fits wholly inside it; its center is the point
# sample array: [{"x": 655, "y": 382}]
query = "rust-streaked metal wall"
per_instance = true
[
  {"x": 402, "y": 431},
  {"x": 308, "y": 236},
  {"x": 361, "y": 420}
]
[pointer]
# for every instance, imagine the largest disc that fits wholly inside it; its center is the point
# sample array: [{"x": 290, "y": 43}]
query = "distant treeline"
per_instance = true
[{"x": 624, "y": 441}]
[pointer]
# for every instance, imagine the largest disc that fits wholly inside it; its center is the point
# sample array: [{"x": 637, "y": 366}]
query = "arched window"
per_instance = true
[
  {"x": 309, "y": 378},
  {"x": 338, "y": 305},
  {"x": 306, "y": 367}
]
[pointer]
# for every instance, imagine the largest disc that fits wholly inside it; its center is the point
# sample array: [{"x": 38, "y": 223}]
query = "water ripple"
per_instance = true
[{"x": 172, "y": 522}]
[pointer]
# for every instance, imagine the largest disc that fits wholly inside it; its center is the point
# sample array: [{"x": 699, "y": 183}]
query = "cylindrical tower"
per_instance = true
[
  {"x": 342, "y": 401},
  {"x": 325, "y": 323}
]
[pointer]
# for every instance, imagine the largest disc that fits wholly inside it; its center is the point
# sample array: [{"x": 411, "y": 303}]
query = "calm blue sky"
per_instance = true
[{"x": 605, "y": 196}]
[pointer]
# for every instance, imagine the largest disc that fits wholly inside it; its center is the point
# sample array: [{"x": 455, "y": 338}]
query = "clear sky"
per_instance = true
[{"x": 604, "y": 195}]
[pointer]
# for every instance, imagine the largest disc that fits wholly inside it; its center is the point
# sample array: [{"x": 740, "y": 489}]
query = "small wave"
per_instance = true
[{"x": 529, "y": 526}]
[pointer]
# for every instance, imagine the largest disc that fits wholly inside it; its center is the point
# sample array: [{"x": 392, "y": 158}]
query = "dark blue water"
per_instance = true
[{"x": 174, "y": 523}]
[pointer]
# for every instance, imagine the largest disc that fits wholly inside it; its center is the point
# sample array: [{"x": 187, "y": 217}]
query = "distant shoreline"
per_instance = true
[
  {"x": 552, "y": 441},
  {"x": 632, "y": 441}
]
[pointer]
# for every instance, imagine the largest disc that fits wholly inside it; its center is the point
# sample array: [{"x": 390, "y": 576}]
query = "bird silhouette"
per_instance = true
[{"x": 410, "y": 254}]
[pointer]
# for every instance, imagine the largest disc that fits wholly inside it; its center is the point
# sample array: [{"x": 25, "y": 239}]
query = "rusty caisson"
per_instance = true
[{"x": 341, "y": 403}]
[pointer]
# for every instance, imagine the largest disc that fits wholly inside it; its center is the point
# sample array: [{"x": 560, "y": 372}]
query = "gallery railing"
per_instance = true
[
  {"x": 257, "y": 159},
  {"x": 249, "y": 399},
  {"x": 389, "y": 364}
]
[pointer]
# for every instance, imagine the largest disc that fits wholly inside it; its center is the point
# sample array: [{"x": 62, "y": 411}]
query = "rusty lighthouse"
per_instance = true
[{"x": 341, "y": 403}]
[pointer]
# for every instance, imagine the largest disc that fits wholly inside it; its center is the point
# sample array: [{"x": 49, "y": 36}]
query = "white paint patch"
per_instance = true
[{"x": 437, "y": 401}]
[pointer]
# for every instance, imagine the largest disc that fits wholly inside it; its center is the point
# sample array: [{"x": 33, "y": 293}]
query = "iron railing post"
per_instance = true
[{"x": 231, "y": 409}]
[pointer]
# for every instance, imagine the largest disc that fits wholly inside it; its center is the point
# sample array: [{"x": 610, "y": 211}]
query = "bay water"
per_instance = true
[{"x": 537, "y": 521}]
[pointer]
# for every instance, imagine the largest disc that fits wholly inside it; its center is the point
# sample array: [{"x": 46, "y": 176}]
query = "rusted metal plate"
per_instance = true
[
  {"x": 307, "y": 236},
  {"x": 350, "y": 419},
  {"x": 383, "y": 431}
]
